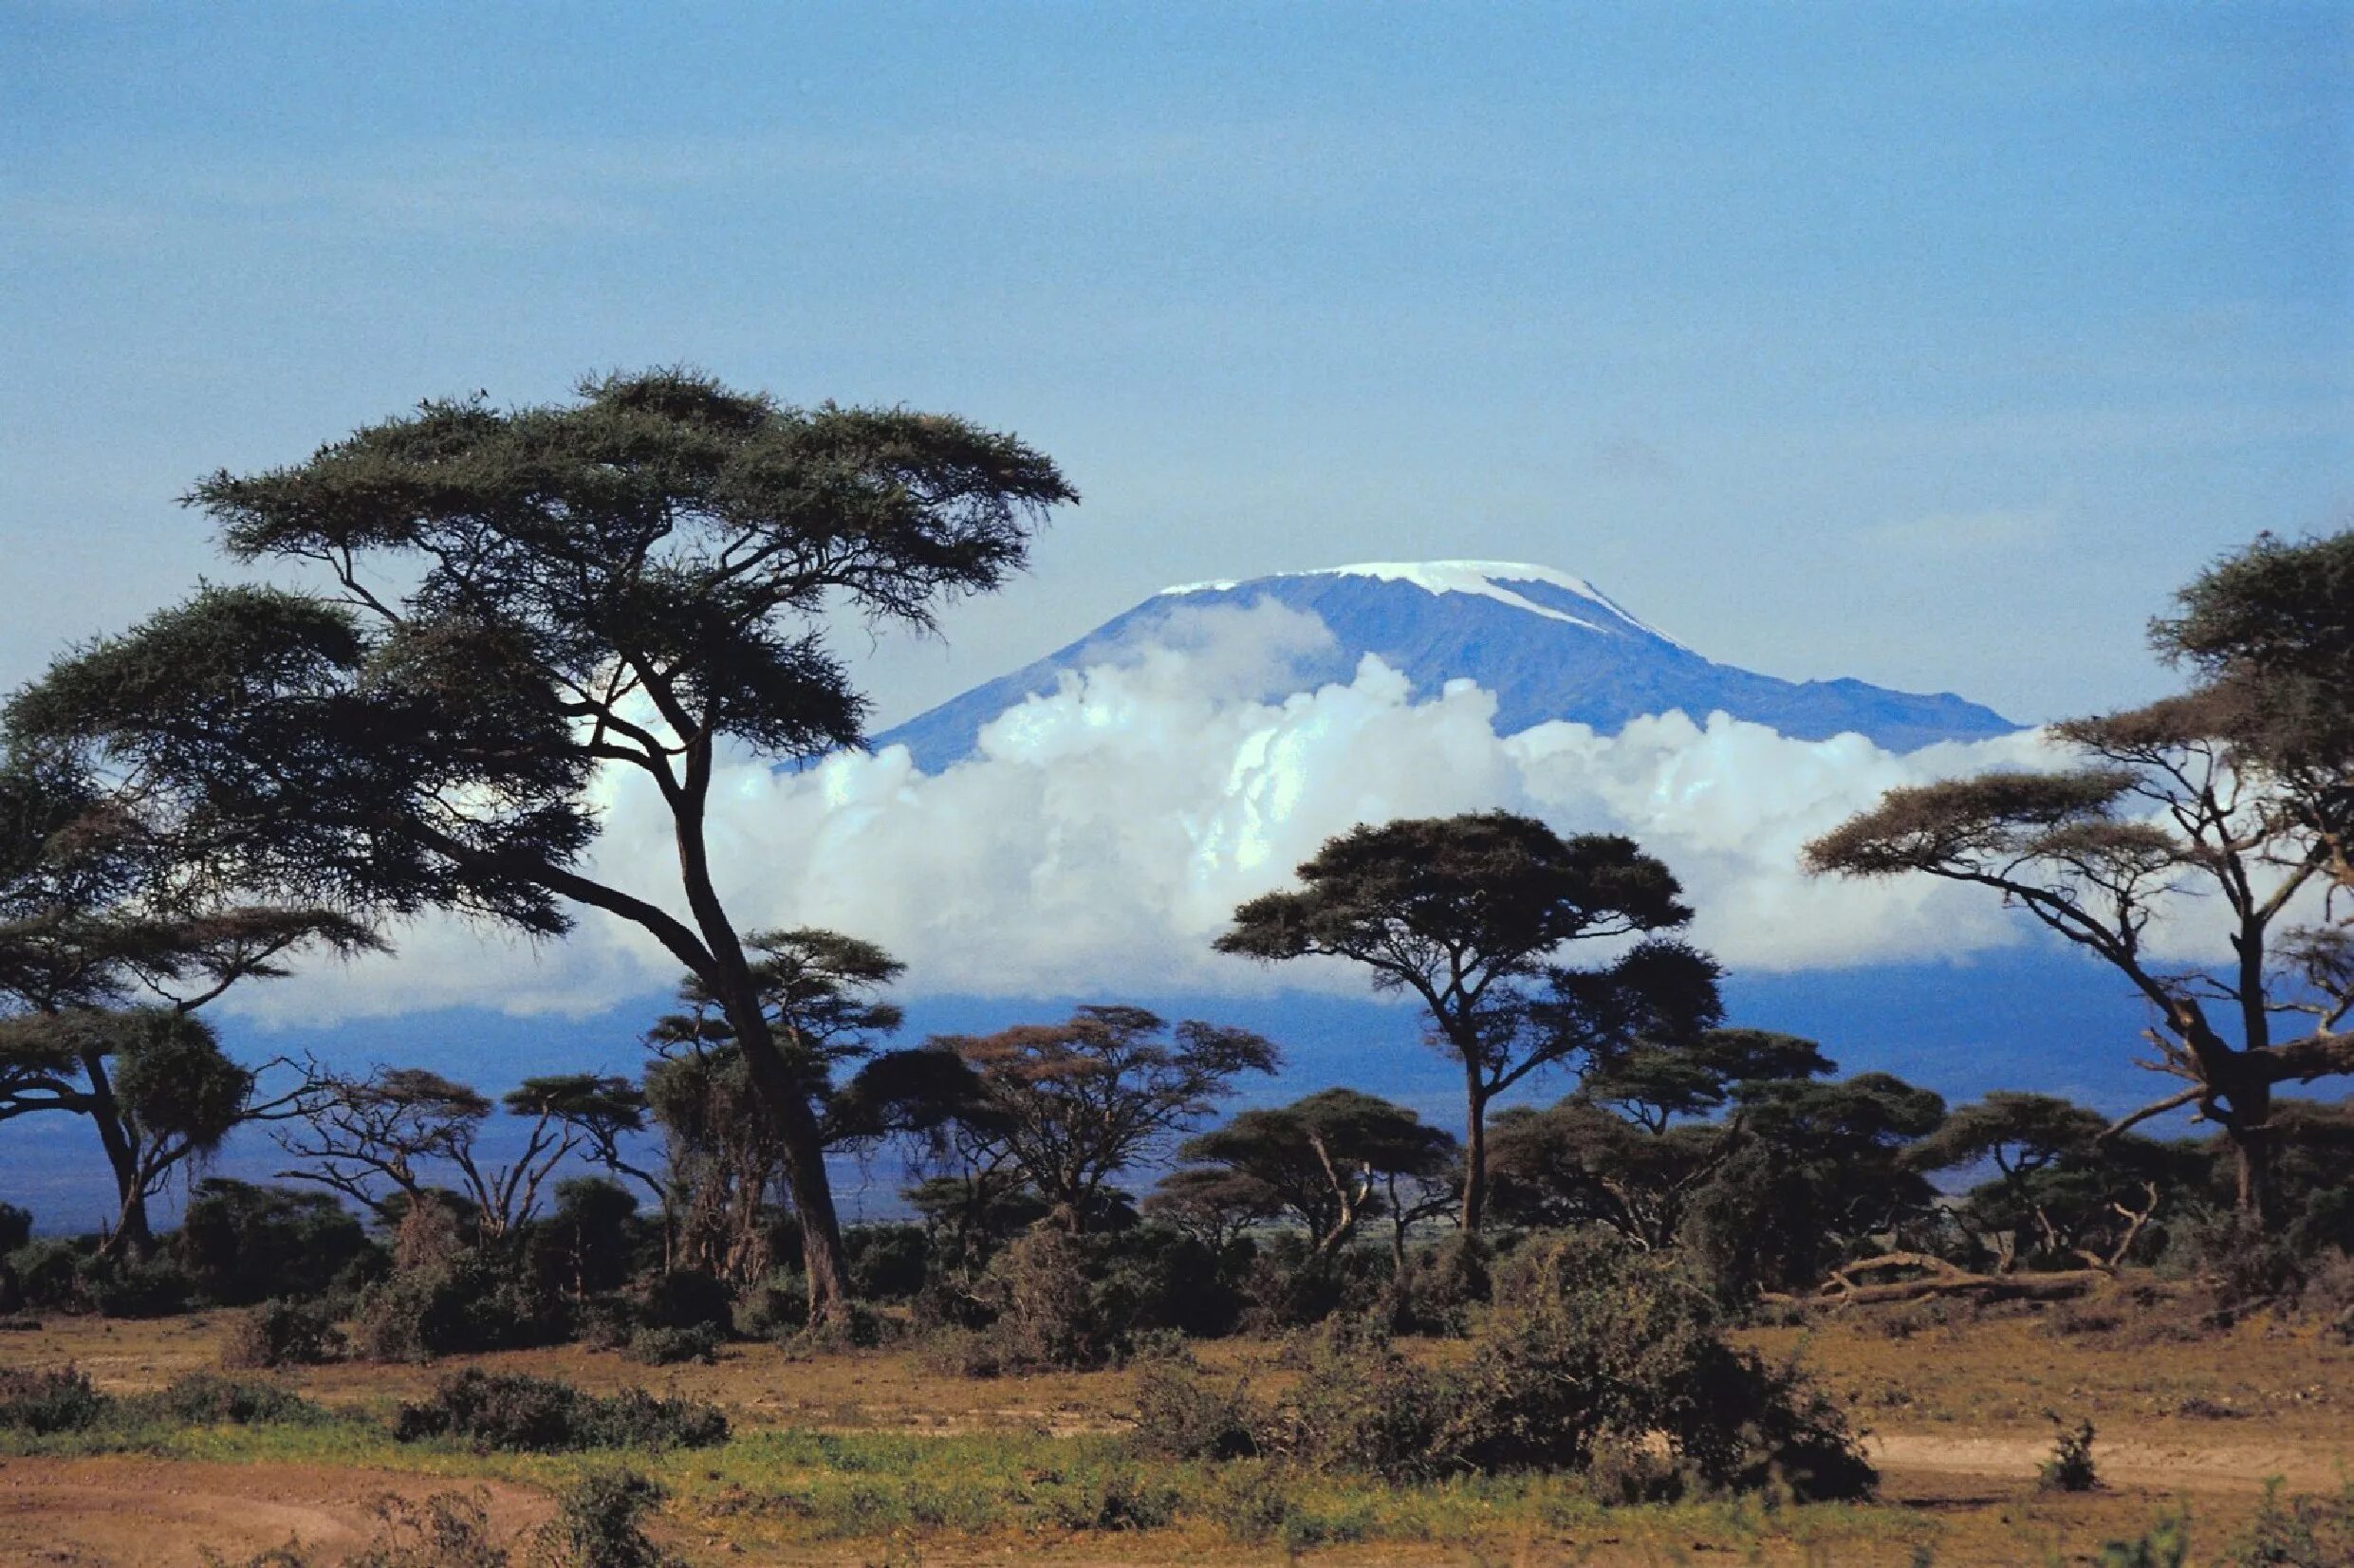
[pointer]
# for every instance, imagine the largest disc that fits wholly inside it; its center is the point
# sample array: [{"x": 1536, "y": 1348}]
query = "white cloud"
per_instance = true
[{"x": 1103, "y": 834}]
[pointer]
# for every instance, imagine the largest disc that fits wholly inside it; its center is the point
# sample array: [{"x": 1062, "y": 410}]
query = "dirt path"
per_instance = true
[
  {"x": 146, "y": 1513},
  {"x": 2129, "y": 1458}
]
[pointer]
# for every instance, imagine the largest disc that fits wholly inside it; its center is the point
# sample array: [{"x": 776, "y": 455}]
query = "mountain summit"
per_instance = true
[{"x": 1547, "y": 644}]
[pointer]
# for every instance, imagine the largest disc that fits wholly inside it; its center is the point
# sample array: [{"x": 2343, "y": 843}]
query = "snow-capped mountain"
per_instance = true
[{"x": 1548, "y": 645}]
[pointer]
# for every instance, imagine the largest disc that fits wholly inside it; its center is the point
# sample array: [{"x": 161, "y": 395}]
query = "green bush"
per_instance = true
[
  {"x": 598, "y": 1524},
  {"x": 1361, "y": 1406},
  {"x": 206, "y": 1399},
  {"x": 2071, "y": 1468},
  {"x": 1590, "y": 1339},
  {"x": 15, "y": 1227},
  {"x": 1181, "y": 1416},
  {"x": 2300, "y": 1531},
  {"x": 46, "y": 1402},
  {"x": 49, "y": 1274},
  {"x": 888, "y": 1263},
  {"x": 528, "y": 1415},
  {"x": 686, "y": 1298},
  {"x": 665, "y": 1347},
  {"x": 240, "y": 1243},
  {"x": 280, "y": 1333},
  {"x": 152, "y": 1287},
  {"x": 475, "y": 1301},
  {"x": 776, "y": 1308}
]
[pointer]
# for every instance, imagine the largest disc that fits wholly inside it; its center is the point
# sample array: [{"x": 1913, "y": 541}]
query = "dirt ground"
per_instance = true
[{"x": 1956, "y": 1419}]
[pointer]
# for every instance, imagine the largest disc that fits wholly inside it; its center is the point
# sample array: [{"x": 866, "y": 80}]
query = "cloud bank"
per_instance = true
[{"x": 1103, "y": 834}]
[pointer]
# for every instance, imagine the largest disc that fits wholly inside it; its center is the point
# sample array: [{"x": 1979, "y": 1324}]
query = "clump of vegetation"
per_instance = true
[
  {"x": 1181, "y": 1415},
  {"x": 473, "y": 1302},
  {"x": 599, "y": 1523},
  {"x": 46, "y": 1402},
  {"x": 282, "y": 1333},
  {"x": 2071, "y": 1468},
  {"x": 207, "y": 1399},
  {"x": 528, "y": 1415},
  {"x": 2303, "y": 1530},
  {"x": 664, "y": 1347}
]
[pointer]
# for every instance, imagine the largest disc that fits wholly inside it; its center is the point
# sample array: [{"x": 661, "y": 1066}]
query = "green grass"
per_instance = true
[{"x": 794, "y": 1486}]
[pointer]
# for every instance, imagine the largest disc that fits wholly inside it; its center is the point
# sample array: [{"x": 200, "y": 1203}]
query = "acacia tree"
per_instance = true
[
  {"x": 2229, "y": 803},
  {"x": 821, "y": 995},
  {"x": 518, "y": 601},
  {"x": 1628, "y": 1149},
  {"x": 1071, "y": 1105},
  {"x": 116, "y": 926},
  {"x": 1467, "y": 913},
  {"x": 381, "y": 1139},
  {"x": 1334, "y": 1159},
  {"x": 2077, "y": 1199}
]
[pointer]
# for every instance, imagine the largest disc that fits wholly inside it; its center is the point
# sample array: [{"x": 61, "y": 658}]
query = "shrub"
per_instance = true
[
  {"x": 854, "y": 1325},
  {"x": 207, "y": 1399},
  {"x": 2165, "y": 1544},
  {"x": 152, "y": 1287},
  {"x": 587, "y": 1245},
  {"x": 1048, "y": 1311},
  {"x": 46, "y": 1402},
  {"x": 240, "y": 1243},
  {"x": 664, "y": 1347},
  {"x": 1287, "y": 1286},
  {"x": 888, "y": 1263},
  {"x": 1181, "y": 1416},
  {"x": 48, "y": 1273},
  {"x": 954, "y": 1351},
  {"x": 598, "y": 1524},
  {"x": 515, "y": 1411},
  {"x": 2071, "y": 1468},
  {"x": 447, "y": 1530},
  {"x": 776, "y": 1308},
  {"x": 2302, "y": 1531},
  {"x": 1441, "y": 1288},
  {"x": 1361, "y": 1406},
  {"x": 473, "y": 1303},
  {"x": 280, "y": 1334},
  {"x": 16, "y": 1227},
  {"x": 686, "y": 1298},
  {"x": 1590, "y": 1339}
]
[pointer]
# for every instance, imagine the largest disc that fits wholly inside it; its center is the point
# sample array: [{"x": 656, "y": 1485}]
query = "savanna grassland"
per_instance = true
[{"x": 867, "y": 1456}]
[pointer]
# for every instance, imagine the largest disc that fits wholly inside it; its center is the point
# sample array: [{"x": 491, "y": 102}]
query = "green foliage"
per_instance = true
[
  {"x": 686, "y": 1298},
  {"x": 1361, "y": 1406},
  {"x": 598, "y": 1524},
  {"x": 15, "y": 1227},
  {"x": 1049, "y": 1311},
  {"x": 656, "y": 1346},
  {"x": 1180, "y": 1415},
  {"x": 146, "y": 1287},
  {"x": 241, "y": 1242},
  {"x": 2071, "y": 1468},
  {"x": 48, "y": 1273},
  {"x": 2165, "y": 1544},
  {"x": 207, "y": 1399},
  {"x": 541, "y": 1415},
  {"x": 2299, "y": 1531},
  {"x": 475, "y": 1301},
  {"x": 282, "y": 1333},
  {"x": 47, "y": 1402}
]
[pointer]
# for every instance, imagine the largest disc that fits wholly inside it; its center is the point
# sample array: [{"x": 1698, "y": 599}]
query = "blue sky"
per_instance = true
[{"x": 1929, "y": 344}]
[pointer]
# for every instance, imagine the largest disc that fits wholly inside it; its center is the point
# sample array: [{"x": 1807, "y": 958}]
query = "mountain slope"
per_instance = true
[{"x": 1548, "y": 645}]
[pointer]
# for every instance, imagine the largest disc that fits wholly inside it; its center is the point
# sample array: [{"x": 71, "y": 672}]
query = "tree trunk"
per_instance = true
[
  {"x": 132, "y": 1237},
  {"x": 804, "y": 1160},
  {"x": 1474, "y": 1148},
  {"x": 2251, "y": 1148}
]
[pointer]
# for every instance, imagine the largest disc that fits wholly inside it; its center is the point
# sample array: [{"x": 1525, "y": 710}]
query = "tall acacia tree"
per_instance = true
[
  {"x": 2234, "y": 800},
  {"x": 117, "y": 923},
  {"x": 1468, "y": 912},
  {"x": 517, "y": 600}
]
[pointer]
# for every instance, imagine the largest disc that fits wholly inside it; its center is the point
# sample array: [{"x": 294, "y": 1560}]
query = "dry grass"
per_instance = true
[{"x": 935, "y": 1468}]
